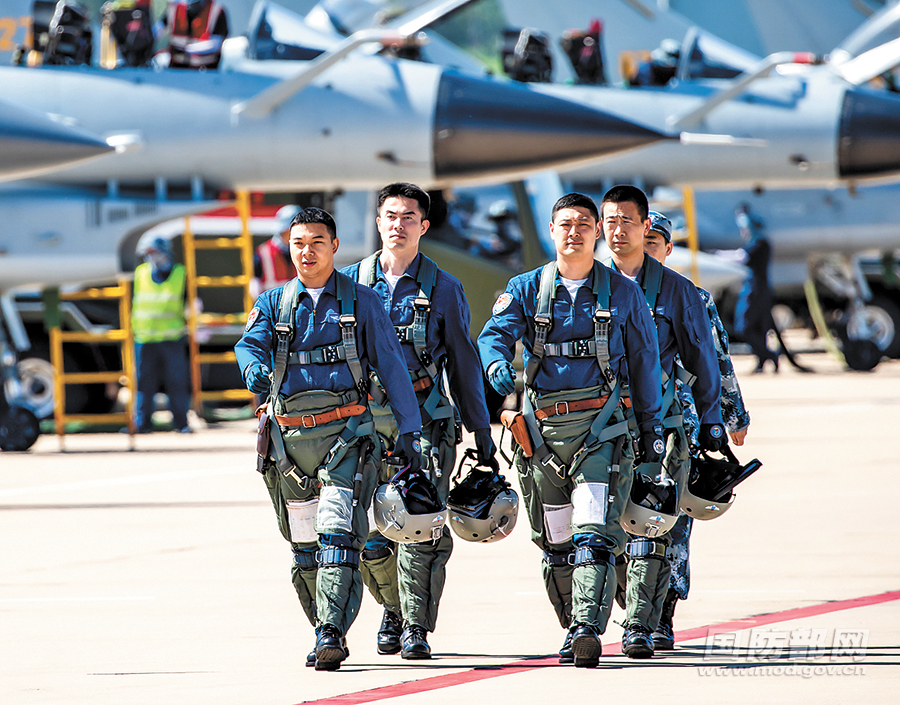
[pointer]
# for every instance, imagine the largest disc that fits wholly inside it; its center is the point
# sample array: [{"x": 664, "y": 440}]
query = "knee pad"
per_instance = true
[
  {"x": 335, "y": 512},
  {"x": 305, "y": 558},
  {"x": 640, "y": 547},
  {"x": 589, "y": 500},
  {"x": 337, "y": 550}
]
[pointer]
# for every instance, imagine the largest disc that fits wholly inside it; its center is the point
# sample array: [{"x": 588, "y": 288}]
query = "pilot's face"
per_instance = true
[
  {"x": 574, "y": 232},
  {"x": 401, "y": 225},
  {"x": 312, "y": 252},
  {"x": 623, "y": 228}
]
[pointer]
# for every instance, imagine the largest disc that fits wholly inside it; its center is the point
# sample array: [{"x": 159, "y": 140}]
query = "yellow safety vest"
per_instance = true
[{"x": 158, "y": 309}]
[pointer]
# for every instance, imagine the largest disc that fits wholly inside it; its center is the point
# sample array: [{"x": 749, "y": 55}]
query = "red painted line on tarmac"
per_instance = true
[{"x": 448, "y": 680}]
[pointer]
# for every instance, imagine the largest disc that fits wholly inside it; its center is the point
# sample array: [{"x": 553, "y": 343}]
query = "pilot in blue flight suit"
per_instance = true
[
  {"x": 586, "y": 332},
  {"x": 683, "y": 329},
  {"x": 429, "y": 311},
  {"x": 311, "y": 346}
]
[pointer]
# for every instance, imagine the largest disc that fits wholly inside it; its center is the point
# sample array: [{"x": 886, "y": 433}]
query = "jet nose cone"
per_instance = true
[
  {"x": 484, "y": 128},
  {"x": 31, "y": 142},
  {"x": 869, "y": 143}
]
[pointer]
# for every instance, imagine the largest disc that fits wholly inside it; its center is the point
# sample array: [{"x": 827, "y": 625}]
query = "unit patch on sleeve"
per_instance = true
[
  {"x": 251, "y": 319},
  {"x": 502, "y": 303}
]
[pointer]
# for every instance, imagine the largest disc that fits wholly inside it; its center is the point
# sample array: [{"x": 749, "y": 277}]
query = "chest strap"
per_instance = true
[{"x": 598, "y": 433}]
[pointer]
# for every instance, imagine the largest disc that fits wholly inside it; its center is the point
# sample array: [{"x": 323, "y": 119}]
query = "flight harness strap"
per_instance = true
[
  {"x": 598, "y": 433},
  {"x": 417, "y": 332},
  {"x": 646, "y": 548},
  {"x": 284, "y": 332}
]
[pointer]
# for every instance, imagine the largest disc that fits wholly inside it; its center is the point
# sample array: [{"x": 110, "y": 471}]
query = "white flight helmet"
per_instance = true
[
  {"x": 652, "y": 507},
  {"x": 407, "y": 509},
  {"x": 708, "y": 494},
  {"x": 483, "y": 506}
]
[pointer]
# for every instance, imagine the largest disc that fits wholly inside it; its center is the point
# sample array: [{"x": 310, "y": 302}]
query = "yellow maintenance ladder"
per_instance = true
[
  {"x": 126, "y": 376},
  {"x": 198, "y": 322}
]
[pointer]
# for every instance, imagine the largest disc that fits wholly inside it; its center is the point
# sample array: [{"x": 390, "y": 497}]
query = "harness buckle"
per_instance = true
[
  {"x": 541, "y": 320},
  {"x": 282, "y": 328},
  {"x": 331, "y": 354},
  {"x": 308, "y": 416},
  {"x": 602, "y": 315},
  {"x": 561, "y": 408},
  {"x": 421, "y": 304},
  {"x": 581, "y": 348},
  {"x": 347, "y": 319}
]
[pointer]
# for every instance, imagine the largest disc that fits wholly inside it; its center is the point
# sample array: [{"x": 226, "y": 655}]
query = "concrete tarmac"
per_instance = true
[{"x": 159, "y": 576}]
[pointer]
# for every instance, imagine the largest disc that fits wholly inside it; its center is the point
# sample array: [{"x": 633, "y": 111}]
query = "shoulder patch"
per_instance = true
[
  {"x": 502, "y": 303},
  {"x": 251, "y": 319}
]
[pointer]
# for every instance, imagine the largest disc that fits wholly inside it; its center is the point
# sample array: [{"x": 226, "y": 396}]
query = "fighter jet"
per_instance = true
[{"x": 32, "y": 143}]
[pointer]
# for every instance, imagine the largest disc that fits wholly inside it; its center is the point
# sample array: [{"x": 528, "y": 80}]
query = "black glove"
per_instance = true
[
  {"x": 256, "y": 377},
  {"x": 409, "y": 447},
  {"x": 650, "y": 449},
  {"x": 485, "y": 449},
  {"x": 712, "y": 436}
]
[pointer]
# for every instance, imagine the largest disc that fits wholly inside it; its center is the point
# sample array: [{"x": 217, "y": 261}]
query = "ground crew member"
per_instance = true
[
  {"x": 197, "y": 29},
  {"x": 272, "y": 264},
  {"x": 429, "y": 311},
  {"x": 683, "y": 330},
  {"x": 658, "y": 244},
  {"x": 753, "y": 309},
  {"x": 586, "y": 332},
  {"x": 160, "y": 343},
  {"x": 311, "y": 345}
]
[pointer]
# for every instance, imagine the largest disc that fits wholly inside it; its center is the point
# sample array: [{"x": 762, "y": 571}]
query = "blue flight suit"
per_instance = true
[
  {"x": 736, "y": 418},
  {"x": 683, "y": 328},
  {"x": 581, "y": 593},
  {"x": 421, "y": 567},
  {"x": 753, "y": 308},
  {"x": 329, "y": 590}
]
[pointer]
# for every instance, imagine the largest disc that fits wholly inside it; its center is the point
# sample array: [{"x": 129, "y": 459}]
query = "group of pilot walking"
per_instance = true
[{"x": 625, "y": 363}]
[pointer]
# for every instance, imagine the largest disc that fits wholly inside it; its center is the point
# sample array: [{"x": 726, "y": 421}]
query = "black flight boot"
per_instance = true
[
  {"x": 329, "y": 648},
  {"x": 566, "y": 655},
  {"x": 389, "y": 633},
  {"x": 414, "y": 644},
  {"x": 636, "y": 642},
  {"x": 664, "y": 636},
  {"x": 586, "y": 648}
]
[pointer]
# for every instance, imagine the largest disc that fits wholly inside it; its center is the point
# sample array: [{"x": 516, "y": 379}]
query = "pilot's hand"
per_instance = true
[
  {"x": 502, "y": 377},
  {"x": 737, "y": 437},
  {"x": 409, "y": 447},
  {"x": 712, "y": 436},
  {"x": 650, "y": 448},
  {"x": 485, "y": 449},
  {"x": 256, "y": 377}
]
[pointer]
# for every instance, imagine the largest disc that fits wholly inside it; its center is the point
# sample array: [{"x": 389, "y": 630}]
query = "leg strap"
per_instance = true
[
  {"x": 646, "y": 548},
  {"x": 305, "y": 559},
  {"x": 373, "y": 554},
  {"x": 556, "y": 560},
  {"x": 338, "y": 555},
  {"x": 593, "y": 555}
]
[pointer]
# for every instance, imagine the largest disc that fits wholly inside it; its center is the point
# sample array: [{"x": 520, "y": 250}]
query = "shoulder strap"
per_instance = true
[
  {"x": 601, "y": 321},
  {"x": 652, "y": 281},
  {"x": 367, "y": 269},
  {"x": 284, "y": 331},
  {"x": 346, "y": 295},
  {"x": 543, "y": 320}
]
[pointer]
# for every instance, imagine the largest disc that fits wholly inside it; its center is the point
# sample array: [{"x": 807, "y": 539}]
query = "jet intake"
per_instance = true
[{"x": 869, "y": 134}]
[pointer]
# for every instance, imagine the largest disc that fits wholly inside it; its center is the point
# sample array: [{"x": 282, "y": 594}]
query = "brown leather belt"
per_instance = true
[
  {"x": 561, "y": 408},
  {"x": 313, "y": 420}
]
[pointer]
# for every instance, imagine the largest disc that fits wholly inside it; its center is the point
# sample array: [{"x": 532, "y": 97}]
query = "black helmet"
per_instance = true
[{"x": 483, "y": 506}]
